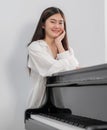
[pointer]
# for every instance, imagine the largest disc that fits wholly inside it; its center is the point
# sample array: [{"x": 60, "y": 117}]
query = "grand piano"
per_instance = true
[{"x": 76, "y": 100}]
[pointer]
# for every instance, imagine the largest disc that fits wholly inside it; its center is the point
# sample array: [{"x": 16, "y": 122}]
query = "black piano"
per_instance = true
[{"x": 76, "y": 100}]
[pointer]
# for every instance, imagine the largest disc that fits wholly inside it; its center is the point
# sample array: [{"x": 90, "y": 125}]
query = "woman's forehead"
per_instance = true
[{"x": 56, "y": 17}]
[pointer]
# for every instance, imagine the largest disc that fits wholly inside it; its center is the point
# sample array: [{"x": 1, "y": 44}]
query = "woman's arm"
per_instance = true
[
  {"x": 58, "y": 42},
  {"x": 45, "y": 65}
]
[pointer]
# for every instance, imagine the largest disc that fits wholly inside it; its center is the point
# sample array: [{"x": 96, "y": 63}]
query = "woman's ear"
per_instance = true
[{"x": 43, "y": 26}]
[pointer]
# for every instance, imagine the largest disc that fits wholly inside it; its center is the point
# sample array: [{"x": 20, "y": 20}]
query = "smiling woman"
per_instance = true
[
  {"x": 54, "y": 29},
  {"x": 49, "y": 53}
]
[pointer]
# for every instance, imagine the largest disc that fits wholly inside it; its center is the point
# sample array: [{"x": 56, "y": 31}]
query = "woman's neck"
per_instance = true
[
  {"x": 49, "y": 41},
  {"x": 52, "y": 46}
]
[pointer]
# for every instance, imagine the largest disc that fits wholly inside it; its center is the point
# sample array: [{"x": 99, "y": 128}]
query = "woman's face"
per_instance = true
[{"x": 54, "y": 26}]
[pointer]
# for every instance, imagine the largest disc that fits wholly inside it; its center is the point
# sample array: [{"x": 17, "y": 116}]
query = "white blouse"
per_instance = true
[{"x": 42, "y": 64}]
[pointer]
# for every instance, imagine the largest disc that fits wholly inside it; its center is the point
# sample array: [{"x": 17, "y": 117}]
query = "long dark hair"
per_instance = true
[{"x": 40, "y": 32}]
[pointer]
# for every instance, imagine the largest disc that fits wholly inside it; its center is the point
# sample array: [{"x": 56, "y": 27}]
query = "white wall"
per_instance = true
[{"x": 18, "y": 19}]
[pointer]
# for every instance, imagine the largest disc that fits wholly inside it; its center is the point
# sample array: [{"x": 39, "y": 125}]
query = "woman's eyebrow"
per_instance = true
[
  {"x": 57, "y": 20},
  {"x": 53, "y": 19}
]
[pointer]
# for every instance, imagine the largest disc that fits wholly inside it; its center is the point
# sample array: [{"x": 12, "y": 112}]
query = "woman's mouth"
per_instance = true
[{"x": 56, "y": 31}]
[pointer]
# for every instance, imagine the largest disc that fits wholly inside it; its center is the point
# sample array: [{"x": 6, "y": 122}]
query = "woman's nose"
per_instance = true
[{"x": 57, "y": 25}]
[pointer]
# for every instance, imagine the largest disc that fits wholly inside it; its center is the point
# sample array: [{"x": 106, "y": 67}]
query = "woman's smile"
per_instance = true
[{"x": 56, "y": 31}]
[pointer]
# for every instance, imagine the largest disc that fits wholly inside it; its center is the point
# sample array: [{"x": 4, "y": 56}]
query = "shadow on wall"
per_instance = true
[{"x": 18, "y": 75}]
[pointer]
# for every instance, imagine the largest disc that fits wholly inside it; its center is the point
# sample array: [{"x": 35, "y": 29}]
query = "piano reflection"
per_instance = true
[{"x": 76, "y": 100}]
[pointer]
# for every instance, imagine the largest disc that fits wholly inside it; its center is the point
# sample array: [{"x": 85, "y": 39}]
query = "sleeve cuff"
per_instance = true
[{"x": 63, "y": 55}]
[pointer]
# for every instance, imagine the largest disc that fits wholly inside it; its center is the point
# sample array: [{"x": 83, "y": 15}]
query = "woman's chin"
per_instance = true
[{"x": 55, "y": 36}]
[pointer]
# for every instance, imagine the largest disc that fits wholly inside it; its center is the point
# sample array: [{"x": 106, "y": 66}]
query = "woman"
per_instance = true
[{"x": 49, "y": 53}]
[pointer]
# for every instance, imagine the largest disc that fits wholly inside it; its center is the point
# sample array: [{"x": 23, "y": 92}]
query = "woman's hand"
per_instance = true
[
  {"x": 60, "y": 37},
  {"x": 59, "y": 43}
]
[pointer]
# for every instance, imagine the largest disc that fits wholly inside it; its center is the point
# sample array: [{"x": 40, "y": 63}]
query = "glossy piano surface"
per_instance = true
[
  {"x": 81, "y": 92},
  {"x": 84, "y": 76}
]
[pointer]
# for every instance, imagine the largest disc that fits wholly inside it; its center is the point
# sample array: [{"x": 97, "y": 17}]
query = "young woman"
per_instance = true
[{"x": 48, "y": 53}]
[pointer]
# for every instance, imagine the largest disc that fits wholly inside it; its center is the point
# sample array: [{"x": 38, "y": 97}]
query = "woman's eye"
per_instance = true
[
  {"x": 52, "y": 21},
  {"x": 61, "y": 23}
]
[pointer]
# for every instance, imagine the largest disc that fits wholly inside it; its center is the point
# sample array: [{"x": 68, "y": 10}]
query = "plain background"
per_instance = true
[{"x": 18, "y": 20}]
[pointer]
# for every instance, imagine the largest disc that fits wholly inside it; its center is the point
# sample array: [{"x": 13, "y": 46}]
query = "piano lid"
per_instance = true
[{"x": 83, "y": 76}]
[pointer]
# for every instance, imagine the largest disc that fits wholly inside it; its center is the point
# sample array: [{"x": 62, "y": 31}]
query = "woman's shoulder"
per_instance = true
[
  {"x": 36, "y": 45},
  {"x": 71, "y": 49}
]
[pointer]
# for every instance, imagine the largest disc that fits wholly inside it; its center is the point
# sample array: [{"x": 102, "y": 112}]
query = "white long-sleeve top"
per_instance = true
[{"x": 42, "y": 64}]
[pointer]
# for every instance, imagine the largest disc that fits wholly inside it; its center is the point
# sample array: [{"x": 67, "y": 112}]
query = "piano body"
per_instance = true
[{"x": 76, "y": 100}]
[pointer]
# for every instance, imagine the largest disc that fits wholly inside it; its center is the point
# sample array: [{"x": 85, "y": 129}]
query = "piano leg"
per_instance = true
[{"x": 48, "y": 107}]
